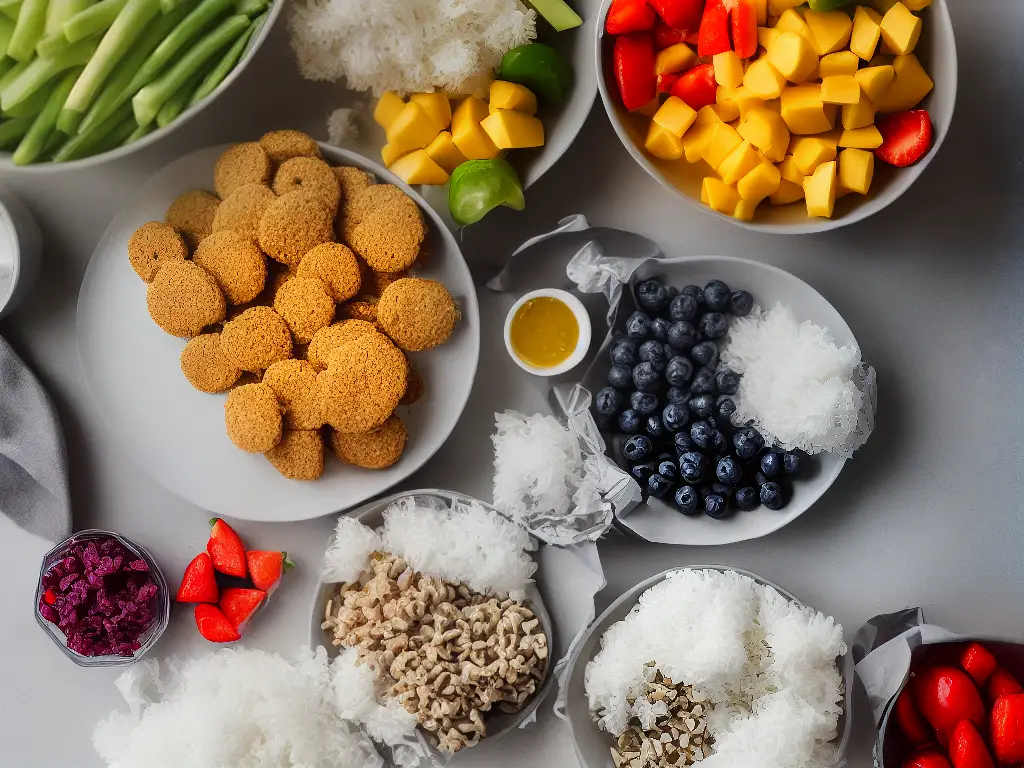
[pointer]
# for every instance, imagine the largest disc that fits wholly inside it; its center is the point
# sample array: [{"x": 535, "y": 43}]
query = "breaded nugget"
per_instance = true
[
  {"x": 242, "y": 209},
  {"x": 417, "y": 314},
  {"x": 299, "y": 455},
  {"x": 336, "y": 266},
  {"x": 245, "y": 163},
  {"x": 256, "y": 339},
  {"x": 379, "y": 281},
  {"x": 294, "y": 383},
  {"x": 183, "y": 299},
  {"x": 361, "y": 391},
  {"x": 206, "y": 367},
  {"x": 236, "y": 263},
  {"x": 192, "y": 214},
  {"x": 361, "y": 308},
  {"x": 333, "y": 336},
  {"x": 413, "y": 387},
  {"x": 305, "y": 305},
  {"x": 390, "y": 236},
  {"x": 284, "y": 145},
  {"x": 152, "y": 245},
  {"x": 253, "y": 418},
  {"x": 293, "y": 225},
  {"x": 311, "y": 174},
  {"x": 352, "y": 179},
  {"x": 377, "y": 449},
  {"x": 361, "y": 203}
]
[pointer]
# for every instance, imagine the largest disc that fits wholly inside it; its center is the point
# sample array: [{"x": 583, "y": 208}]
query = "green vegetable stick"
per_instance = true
[
  {"x": 6, "y": 32},
  {"x": 82, "y": 143},
  {"x": 11, "y": 131},
  {"x": 31, "y": 147},
  {"x": 251, "y": 8},
  {"x": 114, "y": 138},
  {"x": 93, "y": 20},
  {"x": 138, "y": 133},
  {"x": 10, "y": 9},
  {"x": 5, "y": 65},
  {"x": 41, "y": 71},
  {"x": 29, "y": 107},
  {"x": 226, "y": 64},
  {"x": 53, "y": 39},
  {"x": 176, "y": 104},
  {"x": 27, "y": 30},
  {"x": 127, "y": 28},
  {"x": 150, "y": 99},
  {"x": 12, "y": 73}
]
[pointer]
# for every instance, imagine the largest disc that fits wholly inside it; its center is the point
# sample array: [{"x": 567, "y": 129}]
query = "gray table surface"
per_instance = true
[{"x": 928, "y": 514}]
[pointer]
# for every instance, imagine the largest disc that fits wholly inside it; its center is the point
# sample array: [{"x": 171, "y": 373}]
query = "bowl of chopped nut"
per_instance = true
[{"x": 432, "y": 590}]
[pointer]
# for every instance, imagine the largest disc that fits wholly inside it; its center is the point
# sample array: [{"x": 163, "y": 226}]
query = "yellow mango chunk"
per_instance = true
[
  {"x": 859, "y": 115},
  {"x": 838, "y": 63},
  {"x": 413, "y": 128},
  {"x": 882, "y": 6},
  {"x": 761, "y": 7},
  {"x": 910, "y": 85},
  {"x": 728, "y": 69},
  {"x": 881, "y": 60},
  {"x": 469, "y": 137},
  {"x": 792, "y": 21},
  {"x": 387, "y": 109},
  {"x": 707, "y": 116},
  {"x": 779, "y": 7},
  {"x": 741, "y": 98},
  {"x": 900, "y": 30},
  {"x": 766, "y": 36},
  {"x": 840, "y": 89},
  {"x": 663, "y": 143},
  {"x": 436, "y": 105},
  {"x": 767, "y": 131},
  {"x": 760, "y": 182},
  {"x": 875, "y": 81},
  {"x": 811, "y": 153},
  {"x": 506, "y": 95},
  {"x": 745, "y": 209},
  {"x": 442, "y": 150},
  {"x": 790, "y": 171},
  {"x": 804, "y": 111},
  {"x": 917, "y": 5},
  {"x": 675, "y": 116},
  {"x": 856, "y": 170},
  {"x": 788, "y": 192},
  {"x": 675, "y": 58},
  {"x": 418, "y": 168},
  {"x": 727, "y": 111},
  {"x": 719, "y": 196},
  {"x": 763, "y": 80},
  {"x": 648, "y": 109},
  {"x": 721, "y": 144},
  {"x": 739, "y": 163},
  {"x": 388, "y": 155},
  {"x": 509, "y": 129},
  {"x": 820, "y": 190},
  {"x": 831, "y": 30},
  {"x": 867, "y": 29},
  {"x": 868, "y": 137},
  {"x": 696, "y": 140},
  {"x": 793, "y": 56}
]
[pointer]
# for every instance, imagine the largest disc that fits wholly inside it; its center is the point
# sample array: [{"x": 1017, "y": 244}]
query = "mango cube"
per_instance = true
[
  {"x": 811, "y": 153},
  {"x": 387, "y": 109},
  {"x": 763, "y": 80},
  {"x": 867, "y": 29},
  {"x": 739, "y": 163},
  {"x": 745, "y": 209},
  {"x": 436, "y": 105},
  {"x": 868, "y": 137},
  {"x": 767, "y": 131},
  {"x": 859, "y": 115},
  {"x": 719, "y": 196},
  {"x": 882, "y": 6},
  {"x": 766, "y": 36},
  {"x": 831, "y": 30},
  {"x": 838, "y": 63},
  {"x": 721, "y": 144},
  {"x": 875, "y": 81},
  {"x": 506, "y": 95},
  {"x": 442, "y": 150},
  {"x": 696, "y": 140},
  {"x": 856, "y": 170},
  {"x": 788, "y": 192},
  {"x": 882, "y": 60},
  {"x": 413, "y": 128},
  {"x": 760, "y": 182},
  {"x": 472, "y": 140},
  {"x": 663, "y": 143},
  {"x": 792, "y": 21},
  {"x": 728, "y": 69},
  {"x": 707, "y": 116},
  {"x": 793, "y": 56},
  {"x": 900, "y": 30},
  {"x": 742, "y": 98},
  {"x": 761, "y": 7},
  {"x": 778, "y": 7},
  {"x": 727, "y": 111},
  {"x": 790, "y": 171},
  {"x": 675, "y": 116},
  {"x": 910, "y": 85},
  {"x": 804, "y": 111},
  {"x": 509, "y": 129},
  {"x": 388, "y": 155},
  {"x": 675, "y": 58},
  {"x": 840, "y": 89},
  {"x": 418, "y": 168},
  {"x": 820, "y": 190}
]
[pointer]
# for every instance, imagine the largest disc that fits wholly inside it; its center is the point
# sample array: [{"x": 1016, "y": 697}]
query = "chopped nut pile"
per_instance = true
[{"x": 448, "y": 654}]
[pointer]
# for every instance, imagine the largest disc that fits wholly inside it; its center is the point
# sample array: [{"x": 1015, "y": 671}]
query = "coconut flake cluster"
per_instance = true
[{"x": 767, "y": 665}]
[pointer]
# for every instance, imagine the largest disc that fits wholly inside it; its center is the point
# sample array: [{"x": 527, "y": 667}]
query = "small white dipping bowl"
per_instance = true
[
  {"x": 20, "y": 249},
  {"x": 582, "y": 345}
]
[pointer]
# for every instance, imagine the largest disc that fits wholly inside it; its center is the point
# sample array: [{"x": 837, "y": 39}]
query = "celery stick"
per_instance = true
[
  {"x": 138, "y": 133},
  {"x": 6, "y": 32},
  {"x": 32, "y": 146},
  {"x": 12, "y": 131},
  {"x": 5, "y": 65},
  {"x": 150, "y": 99},
  {"x": 127, "y": 28},
  {"x": 40, "y": 71},
  {"x": 27, "y": 30},
  {"x": 114, "y": 138},
  {"x": 83, "y": 143},
  {"x": 251, "y": 8},
  {"x": 93, "y": 20},
  {"x": 13, "y": 72},
  {"x": 29, "y": 107},
  {"x": 176, "y": 104},
  {"x": 10, "y": 10},
  {"x": 226, "y": 64}
]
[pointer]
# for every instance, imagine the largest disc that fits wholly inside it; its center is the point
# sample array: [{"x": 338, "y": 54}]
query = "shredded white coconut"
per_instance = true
[
  {"x": 341, "y": 126},
  {"x": 798, "y": 387},
  {"x": 351, "y": 547}
]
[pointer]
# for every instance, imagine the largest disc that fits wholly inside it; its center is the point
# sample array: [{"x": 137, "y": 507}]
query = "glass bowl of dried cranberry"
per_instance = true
[{"x": 102, "y": 599}]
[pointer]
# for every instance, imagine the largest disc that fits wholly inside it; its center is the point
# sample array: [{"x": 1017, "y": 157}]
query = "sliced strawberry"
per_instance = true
[
  {"x": 967, "y": 749},
  {"x": 910, "y": 721},
  {"x": 226, "y": 549},
  {"x": 906, "y": 137},
  {"x": 744, "y": 28},
  {"x": 680, "y": 14},
  {"x": 714, "y": 29},
  {"x": 634, "y": 69},
  {"x": 267, "y": 568},
  {"x": 927, "y": 758},
  {"x": 214, "y": 625},
  {"x": 1001, "y": 683},
  {"x": 697, "y": 86},
  {"x": 666, "y": 81},
  {"x": 664, "y": 35},
  {"x": 944, "y": 696},
  {"x": 199, "y": 584},
  {"x": 1007, "y": 729},
  {"x": 629, "y": 16},
  {"x": 978, "y": 662},
  {"x": 240, "y": 604}
]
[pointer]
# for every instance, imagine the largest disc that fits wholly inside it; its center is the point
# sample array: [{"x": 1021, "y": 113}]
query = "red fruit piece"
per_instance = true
[
  {"x": 714, "y": 29},
  {"x": 744, "y": 28},
  {"x": 49, "y": 597},
  {"x": 267, "y": 568},
  {"x": 926, "y": 759},
  {"x": 1001, "y": 683},
  {"x": 906, "y": 137},
  {"x": 634, "y": 69},
  {"x": 978, "y": 662},
  {"x": 1007, "y": 729},
  {"x": 238, "y": 605},
  {"x": 664, "y": 35},
  {"x": 214, "y": 625},
  {"x": 697, "y": 86},
  {"x": 199, "y": 584},
  {"x": 945, "y": 696},
  {"x": 680, "y": 14},
  {"x": 666, "y": 81},
  {"x": 626, "y": 16},
  {"x": 910, "y": 721},
  {"x": 967, "y": 749},
  {"x": 226, "y": 549}
]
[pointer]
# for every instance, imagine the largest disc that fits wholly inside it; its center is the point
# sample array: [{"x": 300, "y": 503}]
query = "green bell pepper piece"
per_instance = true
[
  {"x": 479, "y": 186},
  {"x": 540, "y": 68}
]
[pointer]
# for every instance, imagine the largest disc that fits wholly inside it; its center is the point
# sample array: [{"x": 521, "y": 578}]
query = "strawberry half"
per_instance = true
[
  {"x": 910, "y": 721},
  {"x": 1001, "y": 683},
  {"x": 226, "y": 549},
  {"x": 967, "y": 749},
  {"x": 267, "y": 568},
  {"x": 214, "y": 625},
  {"x": 978, "y": 662},
  {"x": 926, "y": 759},
  {"x": 906, "y": 137},
  {"x": 240, "y": 604},
  {"x": 199, "y": 584}
]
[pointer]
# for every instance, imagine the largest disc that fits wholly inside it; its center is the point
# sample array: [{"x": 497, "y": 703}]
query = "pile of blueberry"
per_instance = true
[{"x": 669, "y": 394}]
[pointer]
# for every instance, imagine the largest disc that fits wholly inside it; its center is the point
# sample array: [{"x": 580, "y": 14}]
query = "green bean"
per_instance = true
[
  {"x": 93, "y": 20},
  {"x": 138, "y": 133},
  {"x": 32, "y": 146},
  {"x": 12, "y": 131},
  {"x": 53, "y": 40},
  {"x": 226, "y": 64},
  {"x": 29, "y": 107},
  {"x": 41, "y": 71},
  {"x": 6, "y": 32},
  {"x": 83, "y": 143},
  {"x": 251, "y": 8},
  {"x": 27, "y": 30}
]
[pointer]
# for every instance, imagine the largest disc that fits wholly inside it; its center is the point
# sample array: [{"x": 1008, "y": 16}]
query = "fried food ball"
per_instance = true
[
  {"x": 362, "y": 308},
  {"x": 206, "y": 367},
  {"x": 333, "y": 336},
  {"x": 414, "y": 387},
  {"x": 183, "y": 299},
  {"x": 153, "y": 245},
  {"x": 293, "y": 225},
  {"x": 236, "y": 263},
  {"x": 242, "y": 209},
  {"x": 294, "y": 383},
  {"x": 284, "y": 145},
  {"x": 361, "y": 391},
  {"x": 362, "y": 202},
  {"x": 192, "y": 214},
  {"x": 336, "y": 266},
  {"x": 256, "y": 339},
  {"x": 379, "y": 281},
  {"x": 299, "y": 455},
  {"x": 305, "y": 305},
  {"x": 245, "y": 163},
  {"x": 390, "y": 236},
  {"x": 352, "y": 179},
  {"x": 253, "y": 418},
  {"x": 377, "y": 449},
  {"x": 311, "y": 174},
  {"x": 417, "y": 314}
]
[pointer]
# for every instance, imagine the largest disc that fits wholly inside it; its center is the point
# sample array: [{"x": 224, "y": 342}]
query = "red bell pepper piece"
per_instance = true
[
  {"x": 967, "y": 749},
  {"x": 1007, "y": 729},
  {"x": 680, "y": 14},
  {"x": 910, "y": 721},
  {"x": 744, "y": 28},
  {"x": 697, "y": 86},
  {"x": 666, "y": 81},
  {"x": 634, "y": 68},
  {"x": 945, "y": 696},
  {"x": 714, "y": 29},
  {"x": 626, "y": 16},
  {"x": 978, "y": 662},
  {"x": 1002, "y": 683}
]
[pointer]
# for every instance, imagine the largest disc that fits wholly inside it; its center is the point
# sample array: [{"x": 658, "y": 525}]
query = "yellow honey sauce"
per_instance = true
[{"x": 544, "y": 332}]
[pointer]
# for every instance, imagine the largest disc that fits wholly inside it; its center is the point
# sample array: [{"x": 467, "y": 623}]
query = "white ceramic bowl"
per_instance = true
[
  {"x": 937, "y": 52},
  {"x": 21, "y": 246},
  {"x": 582, "y": 345}
]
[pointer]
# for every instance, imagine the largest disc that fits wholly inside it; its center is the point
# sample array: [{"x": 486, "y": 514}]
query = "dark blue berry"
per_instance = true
[
  {"x": 683, "y": 307},
  {"x": 659, "y": 329},
  {"x": 716, "y": 506},
  {"x": 653, "y": 425},
  {"x": 693, "y": 291},
  {"x": 702, "y": 435},
  {"x": 703, "y": 382},
  {"x": 646, "y": 377},
  {"x": 740, "y": 303},
  {"x": 679, "y": 371},
  {"x": 701, "y": 406},
  {"x": 694, "y": 457},
  {"x": 722, "y": 490},
  {"x": 677, "y": 395},
  {"x": 760, "y": 479},
  {"x": 637, "y": 448},
  {"x": 608, "y": 400},
  {"x": 620, "y": 377},
  {"x": 772, "y": 495},
  {"x": 623, "y": 352},
  {"x": 683, "y": 442},
  {"x": 651, "y": 295},
  {"x": 687, "y": 500},
  {"x": 719, "y": 443},
  {"x": 691, "y": 472},
  {"x": 641, "y": 472},
  {"x": 651, "y": 351},
  {"x": 682, "y": 335},
  {"x": 675, "y": 417},
  {"x": 793, "y": 463},
  {"x": 725, "y": 407},
  {"x": 713, "y": 325},
  {"x": 705, "y": 353},
  {"x": 747, "y": 499},
  {"x": 629, "y": 422},
  {"x": 658, "y": 486},
  {"x": 771, "y": 464},
  {"x": 638, "y": 326},
  {"x": 728, "y": 471},
  {"x": 748, "y": 443},
  {"x": 716, "y": 295},
  {"x": 727, "y": 381},
  {"x": 669, "y": 470},
  {"x": 643, "y": 403}
]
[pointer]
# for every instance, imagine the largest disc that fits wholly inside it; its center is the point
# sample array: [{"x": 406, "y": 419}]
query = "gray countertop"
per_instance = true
[{"x": 928, "y": 514}]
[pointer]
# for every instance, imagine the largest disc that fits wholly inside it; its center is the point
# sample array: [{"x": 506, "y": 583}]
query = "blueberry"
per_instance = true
[
  {"x": 623, "y": 352},
  {"x": 771, "y": 464},
  {"x": 747, "y": 499},
  {"x": 693, "y": 291},
  {"x": 687, "y": 500},
  {"x": 668, "y": 469},
  {"x": 728, "y": 471},
  {"x": 677, "y": 395},
  {"x": 716, "y": 295},
  {"x": 641, "y": 472},
  {"x": 683, "y": 442},
  {"x": 675, "y": 417},
  {"x": 629, "y": 422},
  {"x": 682, "y": 335},
  {"x": 653, "y": 425},
  {"x": 658, "y": 486},
  {"x": 638, "y": 326},
  {"x": 620, "y": 377},
  {"x": 651, "y": 295},
  {"x": 679, "y": 371},
  {"x": 772, "y": 496},
  {"x": 701, "y": 406},
  {"x": 793, "y": 463},
  {"x": 647, "y": 378},
  {"x": 713, "y": 325},
  {"x": 716, "y": 506},
  {"x": 659, "y": 329},
  {"x": 608, "y": 401},
  {"x": 666, "y": 456},
  {"x": 748, "y": 443},
  {"x": 727, "y": 381},
  {"x": 691, "y": 472},
  {"x": 644, "y": 403},
  {"x": 653, "y": 351},
  {"x": 760, "y": 479},
  {"x": 722, "y": 490},
  {"x": 693, "y": 457},
  {"x": 702, "y": 434},
  {"x": 703, "y": 382},
  {"x": 740, "y": 303},
  {"x": 725, "y": 407},
  {"x": 683, "y": 307},
  {"x": 705, "y": 353},
  {"x": 637, "y": 448},
  {"x": 719, "y": 443}
]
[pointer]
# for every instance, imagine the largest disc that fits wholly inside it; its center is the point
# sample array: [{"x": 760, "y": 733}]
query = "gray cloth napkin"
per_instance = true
[{"x": 33, "y": 461}]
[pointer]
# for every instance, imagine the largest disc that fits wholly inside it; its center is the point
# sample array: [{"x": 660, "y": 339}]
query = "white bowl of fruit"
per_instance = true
[{"x": 779, "y": 116}]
